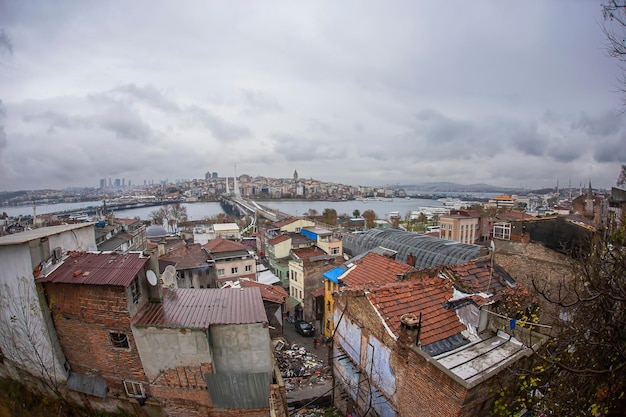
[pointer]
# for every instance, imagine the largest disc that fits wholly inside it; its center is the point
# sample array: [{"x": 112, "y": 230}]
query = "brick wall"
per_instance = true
[
  {"x": 525, "y": 261},
  {"x": 84, "y": 315},
  {"x": 423, "y": 389}
]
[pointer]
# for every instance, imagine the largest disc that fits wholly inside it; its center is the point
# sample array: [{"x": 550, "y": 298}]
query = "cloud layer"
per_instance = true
[{"x": 364, "y": 93}]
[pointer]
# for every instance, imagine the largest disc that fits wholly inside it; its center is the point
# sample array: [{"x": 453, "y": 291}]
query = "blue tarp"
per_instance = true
[
  {"x": 334, "y": 274},
  {"x": 309, "y": 234}
]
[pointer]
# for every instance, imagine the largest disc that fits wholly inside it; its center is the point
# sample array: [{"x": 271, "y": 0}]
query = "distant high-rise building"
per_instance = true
[
  {"x": 102, "y": 182},
  {"x": 117, "y": 182},
  {"x": 123, "y": 182},
  {"x": 207, "y": 175},
  {"x": 110, "y": 183},
  {"x": 214, "y": 175}
]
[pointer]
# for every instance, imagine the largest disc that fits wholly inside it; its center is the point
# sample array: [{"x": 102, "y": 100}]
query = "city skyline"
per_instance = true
[{"x": 358, "y": 93}]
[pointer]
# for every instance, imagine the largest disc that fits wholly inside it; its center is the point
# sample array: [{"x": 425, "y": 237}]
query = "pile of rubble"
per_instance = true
[{"x": 300, "y": 368}]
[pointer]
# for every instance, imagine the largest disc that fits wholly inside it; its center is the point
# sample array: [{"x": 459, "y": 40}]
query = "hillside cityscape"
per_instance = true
[
  {"x": 212, "y": 186},
  {"x": 435, "y": 225},
  {"x": 169, "y": 317}
]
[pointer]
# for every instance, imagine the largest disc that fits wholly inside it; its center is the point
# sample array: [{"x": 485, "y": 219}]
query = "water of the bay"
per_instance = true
[{"x": 201, "y": 210}]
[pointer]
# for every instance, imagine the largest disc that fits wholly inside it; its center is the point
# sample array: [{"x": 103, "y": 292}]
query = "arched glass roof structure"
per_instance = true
[{"x": 429, "y": 251}]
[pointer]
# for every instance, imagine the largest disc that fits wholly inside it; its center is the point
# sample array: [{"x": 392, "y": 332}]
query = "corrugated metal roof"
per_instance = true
[
  {"x": 198, "y": 308},
  {"x": 28, "y": 235},
  {"x": 118, "y": 269}
]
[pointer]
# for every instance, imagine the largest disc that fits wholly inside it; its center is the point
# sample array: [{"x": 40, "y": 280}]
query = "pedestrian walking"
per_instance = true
[{"x": 315, "y": 342}]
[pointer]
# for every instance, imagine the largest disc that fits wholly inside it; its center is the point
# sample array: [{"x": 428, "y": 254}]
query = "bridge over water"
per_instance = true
[{"x": 242, "y": 206}]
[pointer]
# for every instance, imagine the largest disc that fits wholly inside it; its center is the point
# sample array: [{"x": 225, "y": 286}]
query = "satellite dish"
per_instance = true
[
  {"x": 152, "y": 278},
  {"x": 168, "y": 276}
]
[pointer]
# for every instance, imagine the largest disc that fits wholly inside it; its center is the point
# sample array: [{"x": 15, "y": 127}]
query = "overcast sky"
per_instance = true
[{"x": 515, "y": 94}]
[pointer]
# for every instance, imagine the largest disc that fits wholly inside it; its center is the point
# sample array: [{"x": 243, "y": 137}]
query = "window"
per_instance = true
[
  {"x": 119, "y": 340},
  {"x": 334, "y": 251},
  {"x": 220, "y": 272},
  {"x": 234, "y": 270},
  {"x": 248, "y": 268},
  {"x": 135, "y": 290},
  {"x": 134, "y": 389}
]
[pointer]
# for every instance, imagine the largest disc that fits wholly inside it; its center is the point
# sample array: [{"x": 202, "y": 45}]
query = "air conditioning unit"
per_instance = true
[{"x": 57, "y": 253}]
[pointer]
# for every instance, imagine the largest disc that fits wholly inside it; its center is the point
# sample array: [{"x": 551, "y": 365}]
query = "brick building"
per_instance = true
[
  {"x": 93, "y": 298},
  {"x": 398, "y": 363},
  {"x": 420, "y": 346},
  {"x": 154, "y": 351}
]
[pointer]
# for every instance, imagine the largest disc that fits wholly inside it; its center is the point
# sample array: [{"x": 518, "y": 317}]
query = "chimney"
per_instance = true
[
  {"x": 411, "y": 259},
  {"x": 410, "y": 329},
  {"x": 161, "y": 247}
]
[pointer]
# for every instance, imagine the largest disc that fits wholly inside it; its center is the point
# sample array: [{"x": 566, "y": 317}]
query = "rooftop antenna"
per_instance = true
[
  {"x": 151, "y": 276},
  {"x": 168, "y": 276}
]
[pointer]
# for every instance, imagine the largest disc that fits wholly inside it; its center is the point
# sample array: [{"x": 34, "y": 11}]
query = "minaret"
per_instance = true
[{"x": 589, "y": 203}]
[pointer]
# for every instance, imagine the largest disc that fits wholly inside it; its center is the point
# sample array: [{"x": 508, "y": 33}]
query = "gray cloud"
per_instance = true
[
  {"x": 221, "y": 129},
  {"x": 427, "y": 95},
  {"x": 261, "y": 102},
  {"x": 602, "y": 125},
  {"x": 126, "y": 125},
  {"x": 55, "y": 120},
  {"x": 6, "y": 46},
  {"x": 149, "y": 95}
]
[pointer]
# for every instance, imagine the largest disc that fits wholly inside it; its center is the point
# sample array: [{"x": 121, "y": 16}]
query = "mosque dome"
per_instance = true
[{"x": 155, "y": 232}]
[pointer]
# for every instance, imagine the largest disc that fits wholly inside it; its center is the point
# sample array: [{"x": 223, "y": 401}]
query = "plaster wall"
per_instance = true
[
  {"x": 378, "y": 358},
  {"x": 241, "y": 348},
  {"x": 349, "y": 335},
  {"x": 282, "y": 249},
  {"x": 24, "y": 334},
  {"x": 161, "y": 349},
  {"x": 83, "y": 239}
]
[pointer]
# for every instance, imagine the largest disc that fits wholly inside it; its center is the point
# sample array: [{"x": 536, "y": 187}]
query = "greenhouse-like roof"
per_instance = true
[{"x": 428, "y": 251}]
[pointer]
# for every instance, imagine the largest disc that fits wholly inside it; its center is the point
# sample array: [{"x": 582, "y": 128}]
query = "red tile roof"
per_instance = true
[
  {"x": 200, "y": 308},
  {"x": 311, "y": 254},
  {"x": 286, "y": 222},
  {"x": 477, "y": 277},
  {"x": 272, "y": 293},
  {"x": 90, "y": 268},
  {"x": 425, "y": 297},
  {"x": 187, "y": 257},
  {"x": 224, "y": 245},
  {"x": 374, "y": 270},
  {"x": 279, "y": 239},
  {"x": 320, "y": 292}
]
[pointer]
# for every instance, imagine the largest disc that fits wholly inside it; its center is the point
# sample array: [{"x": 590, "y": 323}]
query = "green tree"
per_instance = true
[
  {"x": 356, "y": 213},
  {"x": 370, "y": 218},
  {"x": 329, "y": 216}
]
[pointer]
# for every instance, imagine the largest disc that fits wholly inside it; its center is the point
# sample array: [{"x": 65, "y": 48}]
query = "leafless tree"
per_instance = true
[
  {"x": 580, "y": 371},
  {"x": 25, "y": 338},
  {"x": 614, "y": 28}
]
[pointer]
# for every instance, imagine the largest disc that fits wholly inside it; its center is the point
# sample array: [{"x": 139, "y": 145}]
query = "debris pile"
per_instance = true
[{"x": 300, "y": 368}]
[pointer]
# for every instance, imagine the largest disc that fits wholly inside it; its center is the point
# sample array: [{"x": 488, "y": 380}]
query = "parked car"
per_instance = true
[{"x": 304, "y": 328}]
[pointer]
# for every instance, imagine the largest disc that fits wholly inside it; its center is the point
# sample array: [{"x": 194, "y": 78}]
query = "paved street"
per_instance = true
[{"x": 308, "y": 392}]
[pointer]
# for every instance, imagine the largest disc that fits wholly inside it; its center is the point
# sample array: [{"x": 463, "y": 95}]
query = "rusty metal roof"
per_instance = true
[
  {"x": 199, "y": 308},
  {"x": 118, "y": 269}
]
